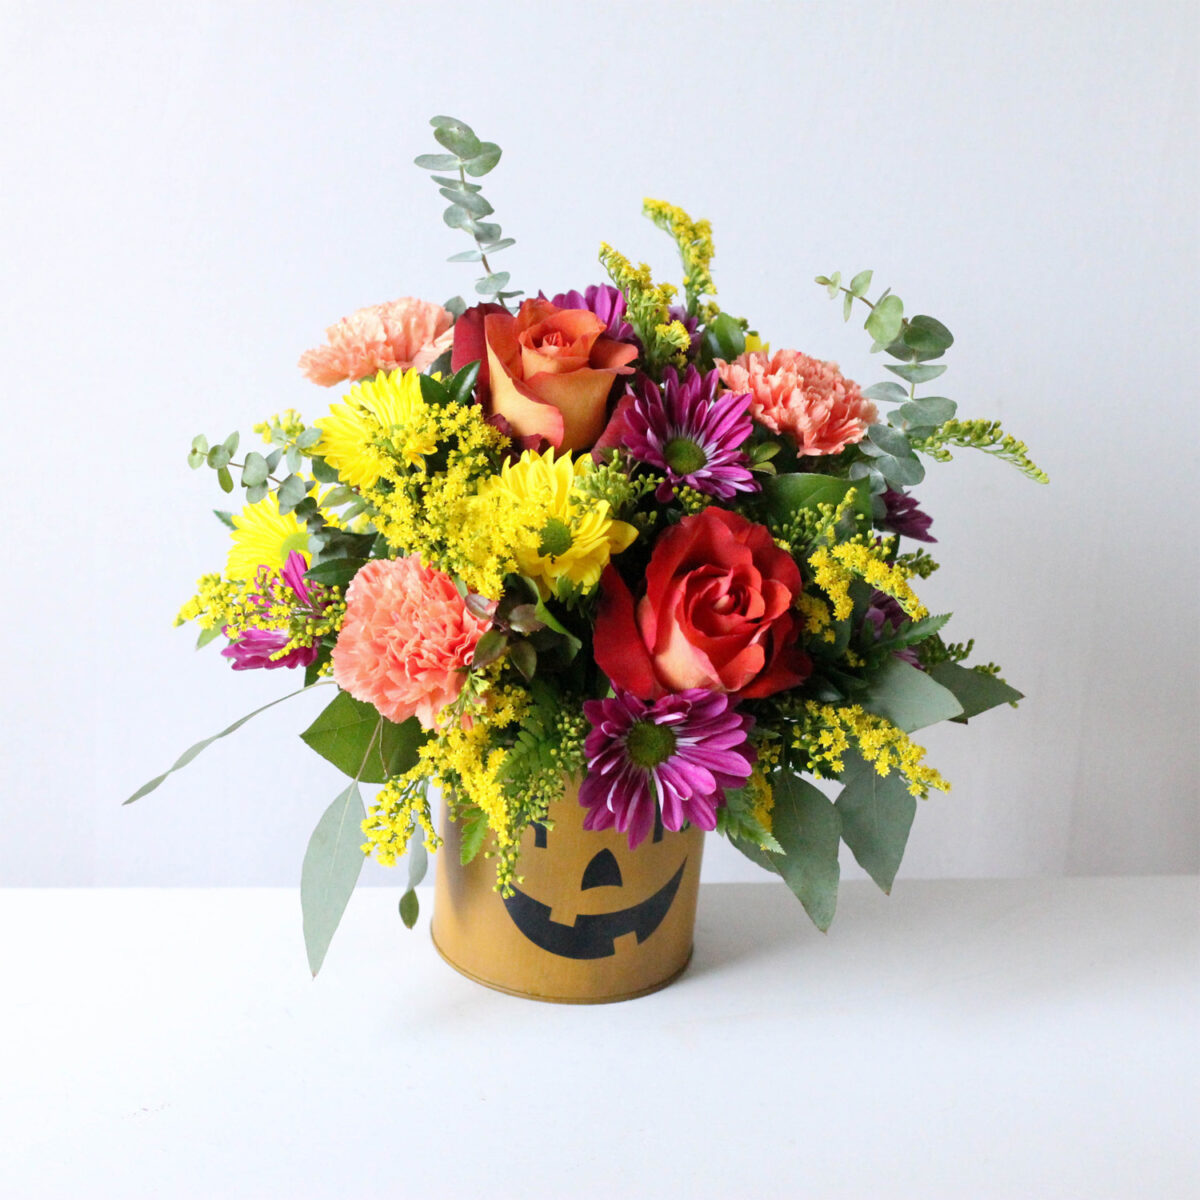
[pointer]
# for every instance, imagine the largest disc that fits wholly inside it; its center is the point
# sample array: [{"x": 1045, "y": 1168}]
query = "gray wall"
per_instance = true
[{"x": 191, "y": 193}]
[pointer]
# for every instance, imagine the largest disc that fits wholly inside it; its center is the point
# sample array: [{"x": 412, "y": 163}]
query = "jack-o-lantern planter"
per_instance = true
[{"x": 591, "y": 921}]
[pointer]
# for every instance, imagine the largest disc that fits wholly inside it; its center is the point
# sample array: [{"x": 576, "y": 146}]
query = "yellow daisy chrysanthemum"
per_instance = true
[
  {"x": 263, "y": 536},
  {"x": 378, "y": 422},
  {"x": 566, "y": 535}
]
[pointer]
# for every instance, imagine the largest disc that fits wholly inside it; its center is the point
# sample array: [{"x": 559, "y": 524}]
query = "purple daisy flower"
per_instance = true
[
  {"x": 692, "y": 434},
  {"x": 903, "y": 516},
  {"x": 254, "y": 648},
  {"x": 676, "y": 755},
  {"x": 607, "y": 303},
  {"x": 885, "y": 616}
]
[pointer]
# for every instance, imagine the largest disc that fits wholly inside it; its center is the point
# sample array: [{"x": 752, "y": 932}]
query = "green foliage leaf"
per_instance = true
[
  {"x": 332, "y": 864},
  {"x": 486, "y": 158},
  {"x": 410, "y": 908},
  {"x": 208, "y": 635},
  {"x": 928, "y": 412},
  {"x": 231, "y": 443},
  {"x": 461, "y": 385},
  {"x": 489, "y": 648},
  {"x": 860, "y": 283},
  {"x": 524, "y": 657},
  {"x": 807, "y": 826},
  {"x": 336, "y": 572},
  {"x": 226, "y": 518},
  {"x": 493, "y": 283},
  {"x": 256, "y": 493},
  {"x": 255, "y": 469},
  {"x": 310, "y": 437},
  {"x": 437, "y": 162},
  {"x": 975, "y": 691},
  {"x": 927, "y": 336},
  {"x": 291, "y": 491},
  {"x": 195, "y": 459},
  {"x": 496, "y": 247},
  {"x": 191, "y": 752},
  {"x": 886, "y": 393},
  {"x": 885, "y": 319},
  {"x": 225, "y": 480},
  {"x": 910, "y": 632},
  {"x": 725, "y": 337},
  {"x": 900, "y": 472},
  {"x": 785, "y": 495},
  {"x": 917, "y": 372},
  {"x": 322, "y": 471},
  {"x": 473, "y": 831},
  {"x": 360, "y": 743},
  {"x": 890, "y": 441},
  {"x": 458, "y": 138},
  {"x": 466, "y": 256},
  {"x": 876, "y": 814},
  {"x": 908, "y": 697},
  {"x": 847, "y": 306},
  {"x": 472, "y": 201}
]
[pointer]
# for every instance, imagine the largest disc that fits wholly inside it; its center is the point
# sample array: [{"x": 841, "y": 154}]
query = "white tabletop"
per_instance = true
[{"x": 1025, "y": 1038}]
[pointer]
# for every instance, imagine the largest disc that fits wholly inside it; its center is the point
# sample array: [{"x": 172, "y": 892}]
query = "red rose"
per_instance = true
[
  {"x": 468, "y": 345},
  {"x": 718, "y": 613},
  {"x": 550, "y": 371}
]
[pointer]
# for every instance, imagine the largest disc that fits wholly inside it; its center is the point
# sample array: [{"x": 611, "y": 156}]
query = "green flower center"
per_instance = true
[
  {"x": 684, "y": 456},
  {"x": 556, "y": 539},
  {"x": 649, "y": 744}
]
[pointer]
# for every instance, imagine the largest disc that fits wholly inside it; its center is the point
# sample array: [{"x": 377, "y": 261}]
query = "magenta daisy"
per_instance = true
[
  {"x": 259, "y": 648},
  {"x": 691, "y": 434},
  {"x": 676, "y": 755}
]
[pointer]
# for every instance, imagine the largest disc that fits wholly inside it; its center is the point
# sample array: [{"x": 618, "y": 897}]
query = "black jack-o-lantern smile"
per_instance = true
[{"x": 593, "y": 935}]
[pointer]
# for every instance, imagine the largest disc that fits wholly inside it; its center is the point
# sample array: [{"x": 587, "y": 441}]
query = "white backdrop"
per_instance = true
[{"x": 192, "y": 192}]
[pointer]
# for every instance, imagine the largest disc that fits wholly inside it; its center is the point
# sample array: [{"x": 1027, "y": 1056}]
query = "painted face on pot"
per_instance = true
[{"x": 618, "y": 892}]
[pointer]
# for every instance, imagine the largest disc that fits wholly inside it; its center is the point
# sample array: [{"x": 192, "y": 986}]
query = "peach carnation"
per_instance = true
[
  {"x": 401, "y": 334},
  {"x": 406, "y": 639},
  {"x": 810, "y": 400}
]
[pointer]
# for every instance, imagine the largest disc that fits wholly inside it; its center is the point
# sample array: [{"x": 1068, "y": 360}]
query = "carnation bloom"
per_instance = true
[
  {"x": 406, "y": 641},
  {"x": 401, "y": 334},
  {"x": 807, "y": 399},
  {"x": 676, "y": 755},
  {"x": 377, "y": 423},
  {"x": 567, "y": 535},
  {"x": 260, "y": 648},
  {"x": 691, "y": 435},
  {"x": 264, "y": 537}
]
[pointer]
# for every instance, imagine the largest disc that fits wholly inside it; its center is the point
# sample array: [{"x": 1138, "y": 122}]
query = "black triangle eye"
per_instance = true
[
  {"x": 602, "y": 871},
  {"x": 539, "y": 835}
]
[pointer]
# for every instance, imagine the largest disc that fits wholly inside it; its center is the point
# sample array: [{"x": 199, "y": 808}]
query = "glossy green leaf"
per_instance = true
[
  {"x": 908, "y": 697},
  {"x": 974, "y": 691},
  {"x": 489, "y": 648},
  {"x": 807, "y": 826},
  {"x": 332, "y": 864},
  {"x": 725, "y": 337},
  {"x": 785, "y": 495},
  {"x": 461, "y": 385},
  {"x": 876, "y": 815},
  {"x": 360, "y": 743},
  {"x": 336, "y": 572},
  {"x": 191, "y": 752},
  {"x": 410, "y": 908}
]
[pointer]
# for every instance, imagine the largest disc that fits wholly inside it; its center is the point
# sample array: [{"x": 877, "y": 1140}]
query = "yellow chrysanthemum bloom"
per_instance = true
[
  {"x": 566, "y": 535},
  {"x": 379, "y": 421},
  {"x": 263, "y": 537}
]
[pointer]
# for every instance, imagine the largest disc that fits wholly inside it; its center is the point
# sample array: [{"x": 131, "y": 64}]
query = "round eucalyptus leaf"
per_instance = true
[
  {"x": 438, "y": 162},
  {"x": 485, "y": 159}
]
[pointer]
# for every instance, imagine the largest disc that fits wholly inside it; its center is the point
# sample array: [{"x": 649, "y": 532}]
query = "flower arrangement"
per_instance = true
[{"x": 608, "y": 535}]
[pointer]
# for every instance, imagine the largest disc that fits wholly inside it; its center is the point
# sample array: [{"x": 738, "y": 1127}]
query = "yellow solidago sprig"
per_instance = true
[
  {"x": 563, "y": 535},
  {"x": 826, "y": 732},
  {"x": 648, "y": 310},
  {"x": 980, "y": 435},
  {"x": 835, "y": 568},
  {"x": 694, "y": 239}
]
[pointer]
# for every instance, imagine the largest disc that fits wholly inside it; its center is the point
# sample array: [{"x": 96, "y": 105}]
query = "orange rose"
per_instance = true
[{"x": 551, "y": 370}]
